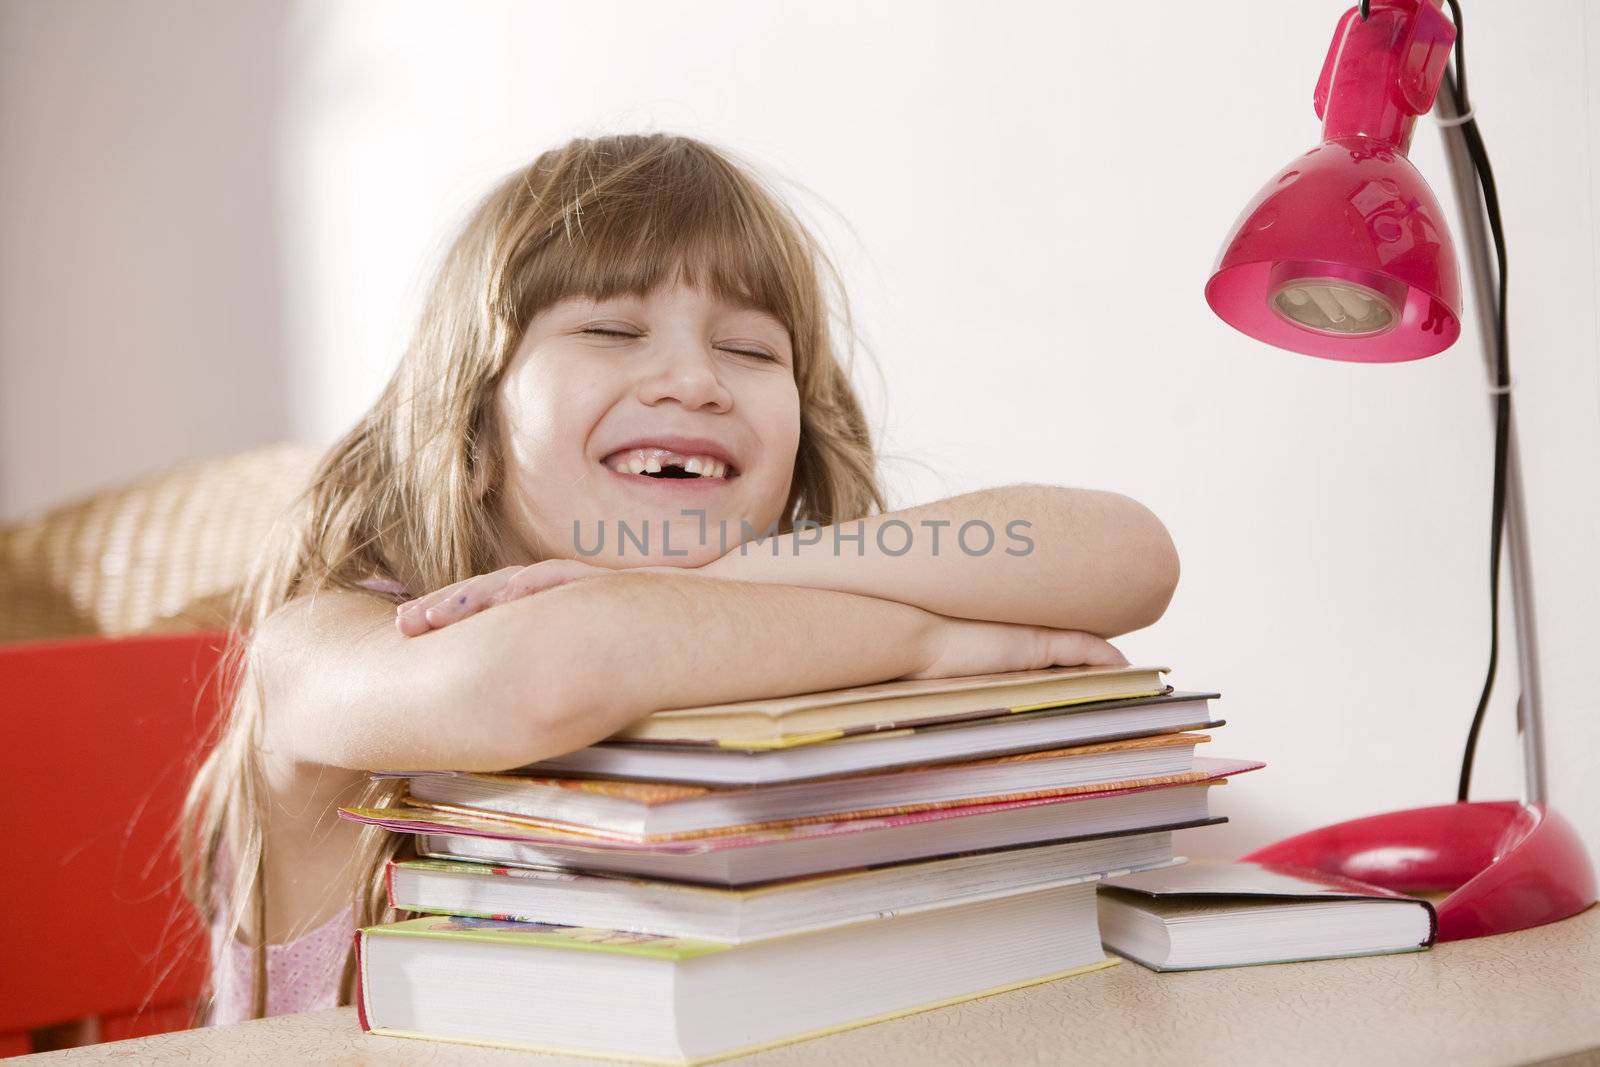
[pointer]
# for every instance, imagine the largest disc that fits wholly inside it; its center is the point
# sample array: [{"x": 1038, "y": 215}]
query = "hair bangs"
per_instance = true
[{"x": 677, "y": 217}]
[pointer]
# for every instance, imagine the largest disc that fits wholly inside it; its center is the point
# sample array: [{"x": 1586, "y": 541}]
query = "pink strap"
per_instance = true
[{"x": 385, "y": 585}]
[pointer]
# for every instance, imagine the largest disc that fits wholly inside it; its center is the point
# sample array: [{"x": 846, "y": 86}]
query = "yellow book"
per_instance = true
[{"x": 811, "y": 718}]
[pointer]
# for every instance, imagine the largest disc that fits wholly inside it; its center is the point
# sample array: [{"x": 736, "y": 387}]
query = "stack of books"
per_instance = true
[{"x": 721, "y": 879}]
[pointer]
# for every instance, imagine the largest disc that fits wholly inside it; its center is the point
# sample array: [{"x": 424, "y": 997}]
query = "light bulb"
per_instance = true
[{"x": 1334, "y": 306}]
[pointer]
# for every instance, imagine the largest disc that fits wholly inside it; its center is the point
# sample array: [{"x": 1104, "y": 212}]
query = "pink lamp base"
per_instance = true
[{"x": 1507, "y": 865}]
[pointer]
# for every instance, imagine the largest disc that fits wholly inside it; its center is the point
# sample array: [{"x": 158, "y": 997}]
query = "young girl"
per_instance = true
[{"x": 622, "y": 462}]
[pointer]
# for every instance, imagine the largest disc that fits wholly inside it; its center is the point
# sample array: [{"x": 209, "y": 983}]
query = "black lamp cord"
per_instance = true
[{"x": 1455, "y": 82}]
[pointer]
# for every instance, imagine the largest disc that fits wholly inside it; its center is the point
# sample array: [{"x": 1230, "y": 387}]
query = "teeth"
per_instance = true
[{"x": 651, "y": 460}]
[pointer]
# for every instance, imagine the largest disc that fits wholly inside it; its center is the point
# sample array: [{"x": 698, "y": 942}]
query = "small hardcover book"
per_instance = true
[
  {"x": 593, "y": 992},
  {"x": 890, "y": 746},
  {"x": 1201, "y": 915},
  {"x": 810, "y": 718}
]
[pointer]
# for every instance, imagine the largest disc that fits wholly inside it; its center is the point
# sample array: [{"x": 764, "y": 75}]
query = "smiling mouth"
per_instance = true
[
  {"x": 675, "y": 476},
  {"x": 665, "y": 465}
]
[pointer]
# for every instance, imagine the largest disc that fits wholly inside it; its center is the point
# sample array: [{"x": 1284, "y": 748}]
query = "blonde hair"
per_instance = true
[{"x": 409, "y": 494}]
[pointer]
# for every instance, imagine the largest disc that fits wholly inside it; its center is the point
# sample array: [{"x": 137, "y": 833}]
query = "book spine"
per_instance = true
[
  {"x": 361, "y": 982},
  {"x": 388, "y": 882}
]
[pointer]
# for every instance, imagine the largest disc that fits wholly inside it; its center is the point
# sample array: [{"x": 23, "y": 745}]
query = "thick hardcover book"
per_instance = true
[
  {"x": 1201, "y": 915},
  {"x": 597, "y": 992}
]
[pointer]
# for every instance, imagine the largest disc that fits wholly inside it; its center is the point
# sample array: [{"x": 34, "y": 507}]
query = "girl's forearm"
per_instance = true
[
  {"x": 646, "y": 642},
  {"x": 1065, "y": 558},
  {"x": 553, "y": 672}
]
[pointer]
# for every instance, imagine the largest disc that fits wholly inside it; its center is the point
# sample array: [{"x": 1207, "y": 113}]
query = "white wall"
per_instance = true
[
  {"x": 1026, "y": 204},
  {"x": 140, "y": 282}
]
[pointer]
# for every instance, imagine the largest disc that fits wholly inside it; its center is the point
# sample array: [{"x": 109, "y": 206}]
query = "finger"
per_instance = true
[
  {"x": 1075, "y": 648},
  {"x": 412, "y": 616},
  {"x": 544, "y": 575},
  {"x": 1098, "y": 652},
  {"x": 428, "y": 600},
  {"x": 452, "y": 591},
  {"x": 411, "y": 625},
  {"x": 469, "y": 598}
]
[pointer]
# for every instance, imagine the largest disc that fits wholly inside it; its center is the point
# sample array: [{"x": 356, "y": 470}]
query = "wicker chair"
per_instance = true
[{"x": 164, "y": 554}]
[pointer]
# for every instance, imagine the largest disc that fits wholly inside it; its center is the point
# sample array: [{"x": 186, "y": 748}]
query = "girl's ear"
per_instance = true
[
  {"x": 484, "y": 456},
  {"x": 485, "y": 468}
]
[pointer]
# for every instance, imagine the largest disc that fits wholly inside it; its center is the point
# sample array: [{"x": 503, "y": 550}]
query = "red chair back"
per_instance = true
[{"x": 98, "y": 741}]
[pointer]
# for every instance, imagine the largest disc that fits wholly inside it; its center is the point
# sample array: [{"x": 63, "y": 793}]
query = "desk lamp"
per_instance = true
[{"x": 1344, "y": 254}]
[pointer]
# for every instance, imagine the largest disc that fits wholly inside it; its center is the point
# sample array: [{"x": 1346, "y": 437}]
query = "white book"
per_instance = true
[
  {"x": 1202, "y": 915},
  {"x": 1025, "y": 732},
  {"x": 590, "y": 992},
  {"x": 735, "y": 916}
]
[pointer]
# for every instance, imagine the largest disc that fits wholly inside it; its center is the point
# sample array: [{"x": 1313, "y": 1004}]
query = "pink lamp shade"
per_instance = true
[{"x": 1345, "y": 254}]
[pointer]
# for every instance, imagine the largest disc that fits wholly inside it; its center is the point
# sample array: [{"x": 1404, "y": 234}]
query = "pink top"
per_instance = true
[{"x": 302, "y": 974}]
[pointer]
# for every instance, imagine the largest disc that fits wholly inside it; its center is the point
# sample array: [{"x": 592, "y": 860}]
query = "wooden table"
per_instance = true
[{"x": 1521, "y": 998}]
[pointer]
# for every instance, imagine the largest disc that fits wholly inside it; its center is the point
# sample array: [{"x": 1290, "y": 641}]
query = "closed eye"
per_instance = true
[
  {"x": 752, "y": 352},
  {"x": 756, "y": 353}
]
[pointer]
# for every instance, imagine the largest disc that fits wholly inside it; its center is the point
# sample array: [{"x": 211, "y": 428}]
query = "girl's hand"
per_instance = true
[
  {"x": 455, "y": 602},
  {"x": 468, "y": 597},
  {"x": 964, "y": 646}
]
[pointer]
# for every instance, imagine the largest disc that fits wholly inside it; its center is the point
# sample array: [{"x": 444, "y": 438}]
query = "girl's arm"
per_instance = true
[
  {"x": 1042, "y": 555},
  {"x": 547, "y": 674},
  {"x": 345, "y": 691}
]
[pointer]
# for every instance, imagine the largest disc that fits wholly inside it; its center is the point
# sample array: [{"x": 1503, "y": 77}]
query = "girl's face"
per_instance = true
[{"x": 623, "y": 421}]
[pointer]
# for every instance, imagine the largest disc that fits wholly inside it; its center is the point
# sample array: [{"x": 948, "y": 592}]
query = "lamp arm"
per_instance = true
[{"x": 1530, "y": 708}]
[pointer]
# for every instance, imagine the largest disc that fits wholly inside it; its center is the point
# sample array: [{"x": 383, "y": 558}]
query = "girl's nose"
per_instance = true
[{"x": 687, "y": 374}]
